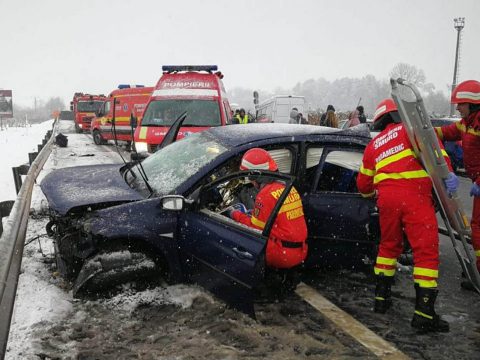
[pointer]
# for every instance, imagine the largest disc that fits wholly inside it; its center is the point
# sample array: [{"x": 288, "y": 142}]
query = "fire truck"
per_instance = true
[
  {"x": 84, "y": 107},
  {"x": 198, "y": 90},
  {"x": 113, "y": 122}
]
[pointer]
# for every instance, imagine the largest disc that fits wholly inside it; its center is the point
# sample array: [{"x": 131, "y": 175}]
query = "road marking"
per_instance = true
[{"x": 377, "y": 345}]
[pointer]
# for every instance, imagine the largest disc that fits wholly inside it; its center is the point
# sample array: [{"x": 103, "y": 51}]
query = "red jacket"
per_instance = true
[
  {"x": 289, "y": 231},
  {"x": 467, "y": 130},
  {"x": 389, "y": 161}
]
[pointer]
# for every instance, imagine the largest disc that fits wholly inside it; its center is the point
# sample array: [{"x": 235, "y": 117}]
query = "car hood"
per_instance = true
[{"x": 80, "y": 186}]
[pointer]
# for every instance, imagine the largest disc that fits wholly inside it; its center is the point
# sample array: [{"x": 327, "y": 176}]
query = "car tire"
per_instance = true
[
  {"x": 104, "y": 273},
  {"x": 97, "y": 138}
]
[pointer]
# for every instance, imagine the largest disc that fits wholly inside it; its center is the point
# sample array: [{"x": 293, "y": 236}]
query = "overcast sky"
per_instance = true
[{"x": 57, "y": 47}]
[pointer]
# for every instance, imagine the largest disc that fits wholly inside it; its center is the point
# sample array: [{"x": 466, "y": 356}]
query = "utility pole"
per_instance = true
[{"x": 459, "y": 24}]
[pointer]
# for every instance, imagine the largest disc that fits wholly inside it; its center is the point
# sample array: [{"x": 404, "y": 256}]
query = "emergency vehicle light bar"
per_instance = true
[
  {"x": 173, "y": 68},
  {"x": 127, "y": 86}
]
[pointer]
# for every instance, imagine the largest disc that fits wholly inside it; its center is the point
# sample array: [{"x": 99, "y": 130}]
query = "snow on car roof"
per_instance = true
[{"x": 235, "y": 135}]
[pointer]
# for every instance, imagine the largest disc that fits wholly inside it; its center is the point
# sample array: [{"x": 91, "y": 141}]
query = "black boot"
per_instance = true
[
  {"x": 383, "y": 293},
  {"x": 425, "y": 319}
]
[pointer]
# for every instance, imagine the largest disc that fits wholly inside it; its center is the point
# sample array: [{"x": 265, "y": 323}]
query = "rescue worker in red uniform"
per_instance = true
[
  {"x": 286, "y": 246},
  {"x": 467, "y": 97},
  {"x": 391, "y": 170}
]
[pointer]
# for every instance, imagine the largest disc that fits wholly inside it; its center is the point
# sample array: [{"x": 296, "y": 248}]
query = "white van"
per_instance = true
[{"x": 277, "y": 109}]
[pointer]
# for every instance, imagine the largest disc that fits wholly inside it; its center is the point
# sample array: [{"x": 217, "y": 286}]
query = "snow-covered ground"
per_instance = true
[
  {"x": 15, "y": 144},
  {"x": 183, "y": 321},
  {"x": 167, "y": 322}
]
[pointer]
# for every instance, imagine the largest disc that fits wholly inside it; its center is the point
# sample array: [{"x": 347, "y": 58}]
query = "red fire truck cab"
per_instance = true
[
  {"x": 84, "y": 107},
  {"x": 198, "y": 90},
  {"x": 113, "y": 122}
]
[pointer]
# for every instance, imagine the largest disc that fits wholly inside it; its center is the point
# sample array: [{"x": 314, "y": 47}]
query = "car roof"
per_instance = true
[{"x": 236, "y": 135}]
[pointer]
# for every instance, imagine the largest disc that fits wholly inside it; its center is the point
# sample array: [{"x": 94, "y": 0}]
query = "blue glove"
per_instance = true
[
  {"x": 451, "y": 182},
  {"x": 475, "y": 190},
  {"x": 239, "y": 207},
  {"x": 236, "y": 207}
]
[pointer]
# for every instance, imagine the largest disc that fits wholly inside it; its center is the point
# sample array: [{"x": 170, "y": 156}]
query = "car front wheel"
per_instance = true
[{"x": 97, "y": 138}]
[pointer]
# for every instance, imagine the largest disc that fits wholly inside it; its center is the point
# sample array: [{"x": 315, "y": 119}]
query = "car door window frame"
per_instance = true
[
  {"x": 326, "y": 150},
  {"x": 288, "y": 179}
]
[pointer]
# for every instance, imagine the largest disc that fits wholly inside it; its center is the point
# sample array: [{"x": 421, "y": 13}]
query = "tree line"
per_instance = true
[{"x": 345, "y": 94}]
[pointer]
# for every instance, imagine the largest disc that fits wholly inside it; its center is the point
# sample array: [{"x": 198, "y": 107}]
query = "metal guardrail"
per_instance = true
[{"x": 13, "y": 239}]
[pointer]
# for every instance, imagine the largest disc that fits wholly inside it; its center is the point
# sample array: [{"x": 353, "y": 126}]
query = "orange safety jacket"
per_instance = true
[
  {"x": 287, "y": 242},
  {"x": 467, "y": 130},
  {"x": 389, "y": 161}
]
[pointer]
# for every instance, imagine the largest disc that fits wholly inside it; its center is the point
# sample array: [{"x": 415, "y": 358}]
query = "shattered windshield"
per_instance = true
[
  {"x": 89, "y": 106},
  {"x": 174, "y": 164},
  {"x": 199, "y": 112}
]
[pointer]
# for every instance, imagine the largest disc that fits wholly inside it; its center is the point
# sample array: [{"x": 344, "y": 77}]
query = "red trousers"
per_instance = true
[
  {"x": 403, "y": 210},
  {"x": 475, "y": 223}
]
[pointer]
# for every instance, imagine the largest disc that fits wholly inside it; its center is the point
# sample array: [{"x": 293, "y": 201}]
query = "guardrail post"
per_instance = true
[
  {"x": 17, "y": 178},
  {"x": 5, "y": 207},
  {"x": 31, "y": 157}
]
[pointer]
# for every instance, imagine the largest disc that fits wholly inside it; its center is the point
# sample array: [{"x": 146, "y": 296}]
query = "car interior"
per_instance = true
[{"x": 338, "y": 174}]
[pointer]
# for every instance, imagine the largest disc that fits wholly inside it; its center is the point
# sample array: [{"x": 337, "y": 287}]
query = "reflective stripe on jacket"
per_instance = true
[
  {"x": 389, "y": 160},
  {"x": 290, "y": 223},
  {"x": 240, "y": 120},
  {"x": 467, "y": 130}
]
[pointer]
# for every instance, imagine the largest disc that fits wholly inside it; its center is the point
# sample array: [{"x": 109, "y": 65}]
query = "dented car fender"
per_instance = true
[{"x": 142, "y": 224}]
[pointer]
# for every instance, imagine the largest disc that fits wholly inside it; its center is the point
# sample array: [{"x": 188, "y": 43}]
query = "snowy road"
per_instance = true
[{"x": 185, "y": 322}]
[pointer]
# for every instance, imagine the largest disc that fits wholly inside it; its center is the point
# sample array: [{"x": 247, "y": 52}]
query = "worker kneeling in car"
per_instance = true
[{"x": 286, "y": 246}]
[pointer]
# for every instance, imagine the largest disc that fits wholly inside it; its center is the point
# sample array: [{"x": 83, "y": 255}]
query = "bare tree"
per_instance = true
[{"x": 412, "y": 74}]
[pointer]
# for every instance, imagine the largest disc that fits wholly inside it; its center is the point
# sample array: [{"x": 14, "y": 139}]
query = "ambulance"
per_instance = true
[
  {"x": 198, "y": 90},
  {"x": 84, "y": 107},
  {"x": 113, "y": 122}
]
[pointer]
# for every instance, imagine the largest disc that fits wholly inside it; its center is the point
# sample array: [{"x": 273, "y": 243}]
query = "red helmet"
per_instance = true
[
  {"x": 466, "y": 92},
  {"x": 258, "y": 159},
  {"x": 385, "y": 106}
]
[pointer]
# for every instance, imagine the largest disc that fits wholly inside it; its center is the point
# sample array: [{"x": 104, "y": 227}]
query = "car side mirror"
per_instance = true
[{"x": 173, "y": 202}]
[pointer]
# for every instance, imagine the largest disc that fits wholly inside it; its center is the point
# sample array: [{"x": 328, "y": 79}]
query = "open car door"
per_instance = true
[
  {"x": 171, "y": 135},
  {"x": 222, "y": 255},
  {"x": 343, "y": 226}
]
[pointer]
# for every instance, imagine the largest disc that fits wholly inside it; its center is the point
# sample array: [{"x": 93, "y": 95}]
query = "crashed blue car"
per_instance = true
[{"x": 164, "y": 217}]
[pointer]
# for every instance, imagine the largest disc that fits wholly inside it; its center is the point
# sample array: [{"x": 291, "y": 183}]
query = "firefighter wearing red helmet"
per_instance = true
[
  {"x": 467, "y": 97},
  {"x": 286, "y": 246},
  {"x": 391, "y": 170}
]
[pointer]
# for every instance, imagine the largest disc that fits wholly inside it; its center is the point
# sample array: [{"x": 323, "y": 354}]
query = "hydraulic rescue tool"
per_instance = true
[{"x": 425, "y": 143}]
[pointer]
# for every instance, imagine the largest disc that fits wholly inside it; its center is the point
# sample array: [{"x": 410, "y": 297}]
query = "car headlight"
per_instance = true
[{"x": 141, "y": 146}]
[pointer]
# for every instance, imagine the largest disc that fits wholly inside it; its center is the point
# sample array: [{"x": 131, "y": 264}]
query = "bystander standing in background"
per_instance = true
[
  {"x": 353, "y": 119},
  {"x": 361, "y": 114},
  {"x": 324, "y": 115},
  {"x": 331, "y": 119},
  {"x": 293, "y": 116}
]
